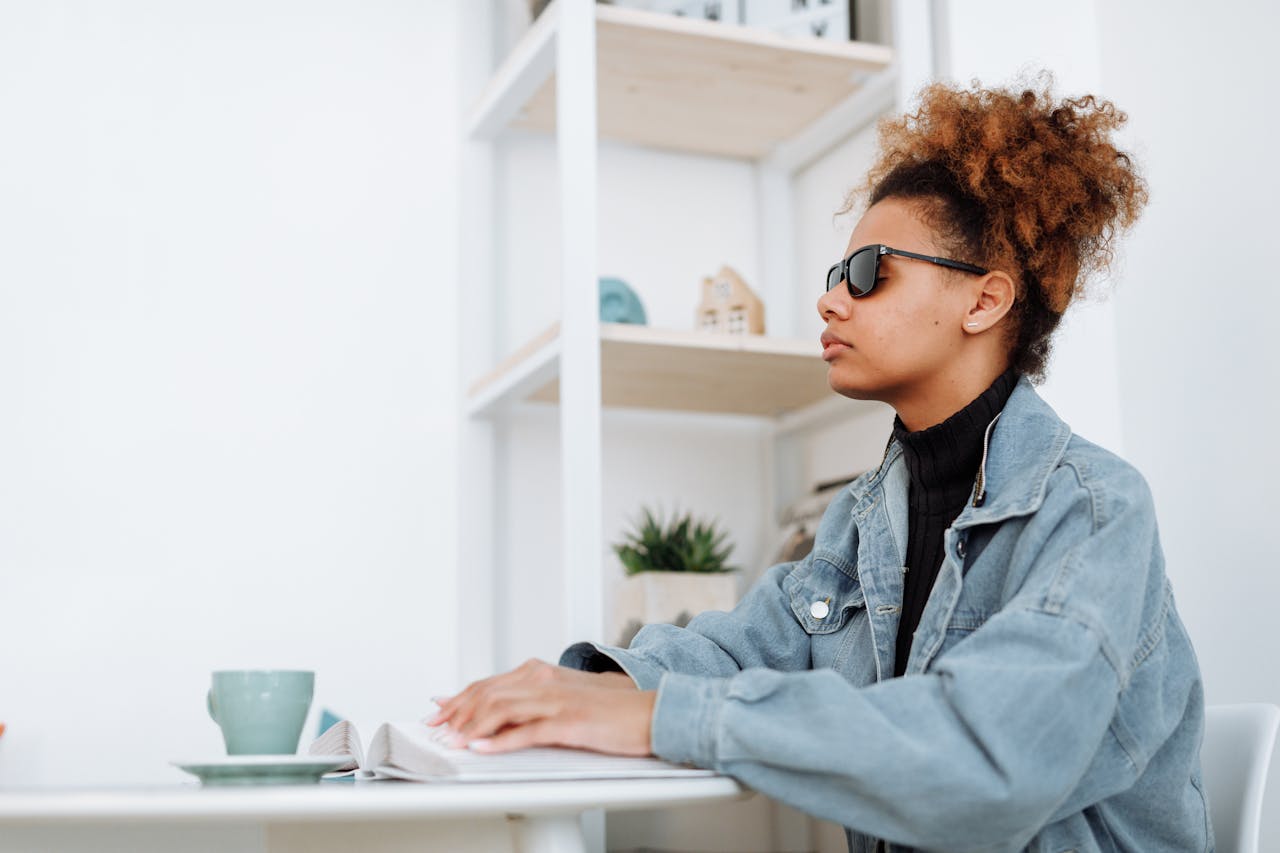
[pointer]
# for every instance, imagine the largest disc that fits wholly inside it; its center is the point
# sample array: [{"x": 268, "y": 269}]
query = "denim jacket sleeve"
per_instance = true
[{"x": 978, "y": 752}]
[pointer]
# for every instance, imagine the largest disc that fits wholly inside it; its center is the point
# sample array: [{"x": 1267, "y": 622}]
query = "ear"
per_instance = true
[{"x": 993, "y": 296}]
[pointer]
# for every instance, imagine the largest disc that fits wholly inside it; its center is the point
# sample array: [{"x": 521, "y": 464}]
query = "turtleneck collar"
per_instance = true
[{"x": 943, "y": 459}]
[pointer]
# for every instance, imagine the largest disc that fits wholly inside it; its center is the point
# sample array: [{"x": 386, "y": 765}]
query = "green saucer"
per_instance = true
[{"x": 263, "y": 769}]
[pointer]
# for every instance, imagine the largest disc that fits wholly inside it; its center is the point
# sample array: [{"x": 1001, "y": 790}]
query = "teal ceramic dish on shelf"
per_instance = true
[{"x": 619, "y": 303}]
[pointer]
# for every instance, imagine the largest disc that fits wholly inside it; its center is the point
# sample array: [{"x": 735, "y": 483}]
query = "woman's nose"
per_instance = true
[{"x": 832, "y": 302}]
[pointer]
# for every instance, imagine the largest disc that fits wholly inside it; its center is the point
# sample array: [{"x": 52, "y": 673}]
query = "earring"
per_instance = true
[{"x": 971, "y": 324}]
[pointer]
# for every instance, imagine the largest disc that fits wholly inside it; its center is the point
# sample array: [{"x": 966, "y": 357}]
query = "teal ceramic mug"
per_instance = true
[{"x": 261, "y": 711}]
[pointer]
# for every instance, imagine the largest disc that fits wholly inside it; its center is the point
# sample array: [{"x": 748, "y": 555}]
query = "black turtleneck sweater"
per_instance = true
[{"x": 942, "y": 464}]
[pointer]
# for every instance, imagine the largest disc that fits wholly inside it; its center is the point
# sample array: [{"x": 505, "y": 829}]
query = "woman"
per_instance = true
[{"x": 982, "y": 652}]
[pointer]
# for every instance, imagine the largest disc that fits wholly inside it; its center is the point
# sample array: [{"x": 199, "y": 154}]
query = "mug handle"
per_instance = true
[{"x": 208, "y": 700}]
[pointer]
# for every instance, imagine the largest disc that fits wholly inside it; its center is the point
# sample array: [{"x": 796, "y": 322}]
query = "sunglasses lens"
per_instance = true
[
  {"x": 862, "y": 271},
  {"x": 833, "y": 276}
]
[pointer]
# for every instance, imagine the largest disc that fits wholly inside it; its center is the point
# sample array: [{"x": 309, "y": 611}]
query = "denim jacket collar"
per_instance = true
[{"x": 1027, "y": 440}]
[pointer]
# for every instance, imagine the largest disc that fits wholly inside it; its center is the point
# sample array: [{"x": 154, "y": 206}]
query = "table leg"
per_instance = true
[{"x": 556, "y": 833}]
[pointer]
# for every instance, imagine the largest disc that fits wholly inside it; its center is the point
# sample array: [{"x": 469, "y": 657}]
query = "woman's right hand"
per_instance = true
[
  {"x": 530, "y": 670},
  {"x": 539, "y": 703}
]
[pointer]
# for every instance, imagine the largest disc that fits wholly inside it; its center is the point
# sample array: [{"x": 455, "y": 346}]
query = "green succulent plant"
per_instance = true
[{"x": 681, "y": 545}]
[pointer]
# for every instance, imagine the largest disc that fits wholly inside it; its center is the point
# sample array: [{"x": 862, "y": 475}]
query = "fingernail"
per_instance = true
[
  {"x": 438, "y": 699},
  {"x": 483, "y": 745}
]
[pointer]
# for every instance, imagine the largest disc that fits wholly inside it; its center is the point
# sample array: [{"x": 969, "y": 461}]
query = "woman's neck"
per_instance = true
[{"x": 929, "y": 405}]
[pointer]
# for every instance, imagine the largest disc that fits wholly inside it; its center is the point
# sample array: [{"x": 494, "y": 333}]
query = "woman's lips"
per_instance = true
[{"x": 832, "y": 347}]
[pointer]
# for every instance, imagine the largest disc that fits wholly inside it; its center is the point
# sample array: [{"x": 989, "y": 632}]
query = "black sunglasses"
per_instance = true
[{"x": 861, "y": 269}]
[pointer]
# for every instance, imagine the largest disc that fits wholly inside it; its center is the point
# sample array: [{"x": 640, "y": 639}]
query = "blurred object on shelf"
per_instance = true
[
  {"x": 536, "y": 6},
  {"x": 728, "y": 11},
  {"x": 619, "y": 303},
  {"x": 799, "y": 526},
  {"x": 729, "y": 306},
  {"x": 828, "y": 19},
  {"x": 1, "y": 729}
]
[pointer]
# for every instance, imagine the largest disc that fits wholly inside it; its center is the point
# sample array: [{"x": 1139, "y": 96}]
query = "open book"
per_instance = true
[{"x": 417, "y": 752}]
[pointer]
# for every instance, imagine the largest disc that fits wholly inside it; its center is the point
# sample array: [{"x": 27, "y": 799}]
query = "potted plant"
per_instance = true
[{"x": 674, "y": 570}]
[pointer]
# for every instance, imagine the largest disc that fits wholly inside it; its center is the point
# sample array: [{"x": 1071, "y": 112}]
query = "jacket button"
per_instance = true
[
  {"x": 960, "y": 548},
  {"x": 819, "y": 610}
]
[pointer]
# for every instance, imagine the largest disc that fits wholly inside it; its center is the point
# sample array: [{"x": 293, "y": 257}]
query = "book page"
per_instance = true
[
  {"x": 417, "y": 752},
  {"x": 340, "y": 739}
]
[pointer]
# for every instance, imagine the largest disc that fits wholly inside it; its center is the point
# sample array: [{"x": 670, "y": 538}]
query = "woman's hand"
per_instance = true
[{"x": 539, "y": 704}]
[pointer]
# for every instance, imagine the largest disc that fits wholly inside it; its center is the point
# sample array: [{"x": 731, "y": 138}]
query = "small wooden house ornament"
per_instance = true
[{"x": 729, "y": 306}]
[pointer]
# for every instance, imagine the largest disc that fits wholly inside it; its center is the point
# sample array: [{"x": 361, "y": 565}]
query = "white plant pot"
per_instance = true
[{"x": 650, "y": 597}]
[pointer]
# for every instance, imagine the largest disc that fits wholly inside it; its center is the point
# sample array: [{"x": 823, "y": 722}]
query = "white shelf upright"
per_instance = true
[{"x": 580, "y": 453}]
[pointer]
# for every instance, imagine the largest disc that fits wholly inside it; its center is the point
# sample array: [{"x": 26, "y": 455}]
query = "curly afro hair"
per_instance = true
[{"x": 1014, "y": 181}]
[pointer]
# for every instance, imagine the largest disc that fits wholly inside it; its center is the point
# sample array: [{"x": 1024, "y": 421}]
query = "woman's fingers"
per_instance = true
[
  {"x": 539, "y": 733},
  {"x": 598, "y": 718},
  {"x": 440, "y": 714},
  {"x": 458, "y": 710},
  {"x": 513, "y": 706},
  {"x": 480, "y": 694},
  {"x": 447, "y": 706}
]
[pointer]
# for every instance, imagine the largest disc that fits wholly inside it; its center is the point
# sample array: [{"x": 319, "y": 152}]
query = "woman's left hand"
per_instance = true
[{"x": 539, "y": 704}]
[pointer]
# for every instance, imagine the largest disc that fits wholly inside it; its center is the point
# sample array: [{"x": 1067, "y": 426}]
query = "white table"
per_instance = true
[{"x": 532, "y": 817}]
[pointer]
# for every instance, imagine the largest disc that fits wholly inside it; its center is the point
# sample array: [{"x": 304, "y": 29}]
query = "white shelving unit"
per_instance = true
[
  {"x": 586, "y": 72},
  {"x": 684, "y": 371}
]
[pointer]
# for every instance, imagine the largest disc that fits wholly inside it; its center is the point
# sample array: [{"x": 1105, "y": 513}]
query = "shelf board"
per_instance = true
[
  {"x": 683, "y": 84},
  {"x": 689, "y": 371}
]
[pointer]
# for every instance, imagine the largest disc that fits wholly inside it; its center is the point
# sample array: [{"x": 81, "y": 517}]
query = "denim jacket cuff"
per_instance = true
[
  {"x": 593, "y": 657},
  {"x": 685, "y": 718}
]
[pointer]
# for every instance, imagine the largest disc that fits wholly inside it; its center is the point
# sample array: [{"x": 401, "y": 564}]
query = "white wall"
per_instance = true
[
  {"x": 1199, "y": 362},
  {"x": 227, "y": 365}
]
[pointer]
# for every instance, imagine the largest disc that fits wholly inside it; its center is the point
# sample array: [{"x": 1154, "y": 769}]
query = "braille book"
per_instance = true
[{"x": 417, "y": 752}]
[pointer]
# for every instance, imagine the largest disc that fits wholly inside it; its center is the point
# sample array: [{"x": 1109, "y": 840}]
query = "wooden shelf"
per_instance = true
[
  {"x": 682, "y": 84},
  {"x": 647, "y": 368}
]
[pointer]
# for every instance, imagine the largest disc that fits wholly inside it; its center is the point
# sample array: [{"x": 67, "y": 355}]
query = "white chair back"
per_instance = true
[{"x": 1234, "y": 760}]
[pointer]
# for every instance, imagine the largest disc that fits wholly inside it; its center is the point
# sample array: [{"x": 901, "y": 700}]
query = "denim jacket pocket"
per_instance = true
[{"x": 823, "y": 594}]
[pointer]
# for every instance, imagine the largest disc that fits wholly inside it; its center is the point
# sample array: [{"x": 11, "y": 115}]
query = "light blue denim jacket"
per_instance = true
[{"x": 1052, "y": 700}]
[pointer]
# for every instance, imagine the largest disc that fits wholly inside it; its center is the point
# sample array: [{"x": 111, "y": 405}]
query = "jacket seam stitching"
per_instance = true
[
  {"x": 1155, "y": 636},
  {"x": 843, "y": 564},
  {"x": 1208, "y": 829},
  {"x": 716, "y": 729},
  {"x": 1123, "y": 740},
  {"x": 1103, "y": 647},
  {"x": 1056, "y": 594},
  {"x": 846, "y": 647},
  {"x": 1097, "y": 504}
]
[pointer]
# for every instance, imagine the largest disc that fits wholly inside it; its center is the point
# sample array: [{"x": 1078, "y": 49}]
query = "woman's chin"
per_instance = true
[{"x": 849, "y": 386}]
